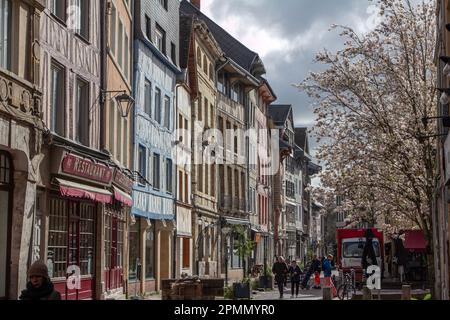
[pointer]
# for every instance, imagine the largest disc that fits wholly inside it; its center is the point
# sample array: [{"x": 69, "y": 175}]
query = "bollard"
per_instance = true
[
  {"x": 367, "y": 293},
  {"x": 327, "y": 293},
  {"x": 406, "y": 292}
]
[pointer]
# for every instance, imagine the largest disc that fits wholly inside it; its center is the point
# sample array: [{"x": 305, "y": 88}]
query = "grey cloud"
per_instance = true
[{"x": 294, "y": 19}]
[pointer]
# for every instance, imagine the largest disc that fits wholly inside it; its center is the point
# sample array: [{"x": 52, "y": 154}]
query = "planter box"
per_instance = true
[
  {"x": 266, "y": 282},
  {"x": 241, "y": 290}
]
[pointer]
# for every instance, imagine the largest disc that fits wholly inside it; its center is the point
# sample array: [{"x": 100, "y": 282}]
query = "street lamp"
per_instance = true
[{"x": 124, "y": 101}]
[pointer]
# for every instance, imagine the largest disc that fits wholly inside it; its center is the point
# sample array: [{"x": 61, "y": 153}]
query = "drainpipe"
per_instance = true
[
  {"x": 175, "y": 235},
  {"x": 103, "y": 69}
]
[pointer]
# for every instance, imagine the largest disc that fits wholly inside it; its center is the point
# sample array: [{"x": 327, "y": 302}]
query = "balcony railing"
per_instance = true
[{"x": 231, "y": 107}]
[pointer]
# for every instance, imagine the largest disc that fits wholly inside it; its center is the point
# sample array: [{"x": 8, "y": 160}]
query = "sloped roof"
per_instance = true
[
  {"x": 279, "y": 113},
  {"x": 234, "y": 49},
  {"x": 186, "y": 23},
  {"x": 300, "y": 137}
]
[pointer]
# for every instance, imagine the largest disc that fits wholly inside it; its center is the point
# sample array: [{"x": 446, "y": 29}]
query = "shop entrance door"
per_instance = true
[
  {"x": 71, "y": 248},
  {"x": 5, "y": 213}
]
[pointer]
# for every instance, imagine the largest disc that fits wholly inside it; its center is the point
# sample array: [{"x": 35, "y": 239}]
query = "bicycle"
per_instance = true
[{"x": 347, "y": 290}]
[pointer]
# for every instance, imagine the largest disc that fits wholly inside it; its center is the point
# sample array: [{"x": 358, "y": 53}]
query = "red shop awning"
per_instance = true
[
  {"x": 121, "y": 196},
  {"x": 415, "y": 240},
  {"x": 78, "y": 190}
]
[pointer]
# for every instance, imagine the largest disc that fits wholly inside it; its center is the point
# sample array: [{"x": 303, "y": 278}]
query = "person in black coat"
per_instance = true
[
  {"x": 295, "y": 272},
  {"x": 280, "y": 270},
  {"x": 39, "y": 286}
]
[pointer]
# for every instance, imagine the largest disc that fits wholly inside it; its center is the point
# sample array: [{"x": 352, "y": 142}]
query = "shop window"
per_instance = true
[
  {"x": 186, "y": 253},
  {"x": 150, "y": 253},
  {"x": 71, "y": 237},
  {"x": 134, "y": 250}
]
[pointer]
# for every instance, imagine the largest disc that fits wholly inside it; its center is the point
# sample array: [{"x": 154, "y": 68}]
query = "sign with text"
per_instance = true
[
  {"x": 86, "y": 169},
  {"x": 123, "y": 181}
]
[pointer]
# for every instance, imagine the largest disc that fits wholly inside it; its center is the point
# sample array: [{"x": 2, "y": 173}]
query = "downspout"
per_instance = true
[
  {"x": 175, "y": 234},
  {"x": 103, "y": 70}
]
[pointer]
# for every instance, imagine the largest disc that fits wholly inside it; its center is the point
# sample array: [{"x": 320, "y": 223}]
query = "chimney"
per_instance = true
[{"x": 196, "y": 3}]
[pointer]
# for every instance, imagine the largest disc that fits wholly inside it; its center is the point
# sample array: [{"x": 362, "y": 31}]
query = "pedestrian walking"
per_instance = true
[
  {"x": 39, "y": 286},
  {"x": 327, "y": 270},
  {"x": 295, "y": 272},
  {"x": 280, "y": 271},
  {"x": 317, "y": 269}
]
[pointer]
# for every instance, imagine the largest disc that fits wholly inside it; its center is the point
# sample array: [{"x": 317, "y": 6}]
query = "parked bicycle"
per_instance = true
[{"x": 347, "y": 289}]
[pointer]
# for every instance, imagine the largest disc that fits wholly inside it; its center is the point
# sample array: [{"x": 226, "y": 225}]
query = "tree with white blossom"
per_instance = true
[{"x": 376, "y": 150}]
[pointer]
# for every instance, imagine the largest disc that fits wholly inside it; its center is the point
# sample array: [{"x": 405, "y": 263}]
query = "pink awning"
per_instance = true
[
  {"x": 415, "y": 240},
  {"x": 121, "y": 196},
  {"x": 77, "y": 190}
]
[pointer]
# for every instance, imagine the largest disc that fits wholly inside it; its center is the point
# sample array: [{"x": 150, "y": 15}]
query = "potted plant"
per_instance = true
[
  {"x": 266, "y": 280},
  {"x": 244, "y": 248}
]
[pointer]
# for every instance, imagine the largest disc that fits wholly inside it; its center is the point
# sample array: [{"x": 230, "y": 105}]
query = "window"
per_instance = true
[
  {"x": 125, "y": 141},
  {"x": 127, "y": 57},
  {"x": 221, "y": 83},
  {"x": 119, "y": 135},
  {"x": 163, "y": 3},
  {"x": 134, "y": 249},
  {"x": 236, "y": 140},
  {"x": 212, "y": 115},
  {"x": 148, "y": 27},
  {"x": 156, "y": 172},
  {"x": 82, "y": 112},
  {"x": 142, "y": 164},
  {"x": 180, "y": 187},
  {"x": 113, "y": 31},
  {"x": 160, "y": 39},
  {"x": 158, "y": 105},
  {"x": 150, "y": 253},
  {"x": 205, "y": 65},
  {"x": 82, "y": 17},
  {"x": 206, "y": 179},
  {"x": 173, "y": 53},
  {"x": 57, "y": 99},
  {"x": 167, "y": 112},
  {"x": 148, "y": 98},
  {"x": 199, "y": 57},
  {"x": 120, "y": 53},
  {"x": 200, "y": 177},
  {"x": 211, "y": 72},
  {"x": 235, "y": 93},
  {"x": 199, "y": 112},
  {"x": 206, "y": 113},
  {"x": 186, "y": 188},
  {"x": 186, "y": 253},
  {"x": 58, "y": 8},
  {"x": 169, "y": 176},
  {"x": 236, "y": 260},
  {"x": 112, "y": 122},
  {"x": 5, "y": 22}
]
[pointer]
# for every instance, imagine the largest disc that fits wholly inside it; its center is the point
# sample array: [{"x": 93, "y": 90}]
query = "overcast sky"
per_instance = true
[{"x": 287, "y": 34}]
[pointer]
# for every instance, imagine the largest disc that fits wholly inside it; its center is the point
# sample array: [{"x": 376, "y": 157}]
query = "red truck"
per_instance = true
[{"x": 350, "y": 247}]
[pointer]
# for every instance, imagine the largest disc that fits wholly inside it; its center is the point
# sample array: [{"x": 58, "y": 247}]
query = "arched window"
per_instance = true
[{"x": 199, "y": 57}]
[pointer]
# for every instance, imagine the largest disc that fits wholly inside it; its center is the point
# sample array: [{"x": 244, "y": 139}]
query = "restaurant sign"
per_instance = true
[
  {"x": 86, "y": 169},
  {"x": 123, "y": 181}
]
